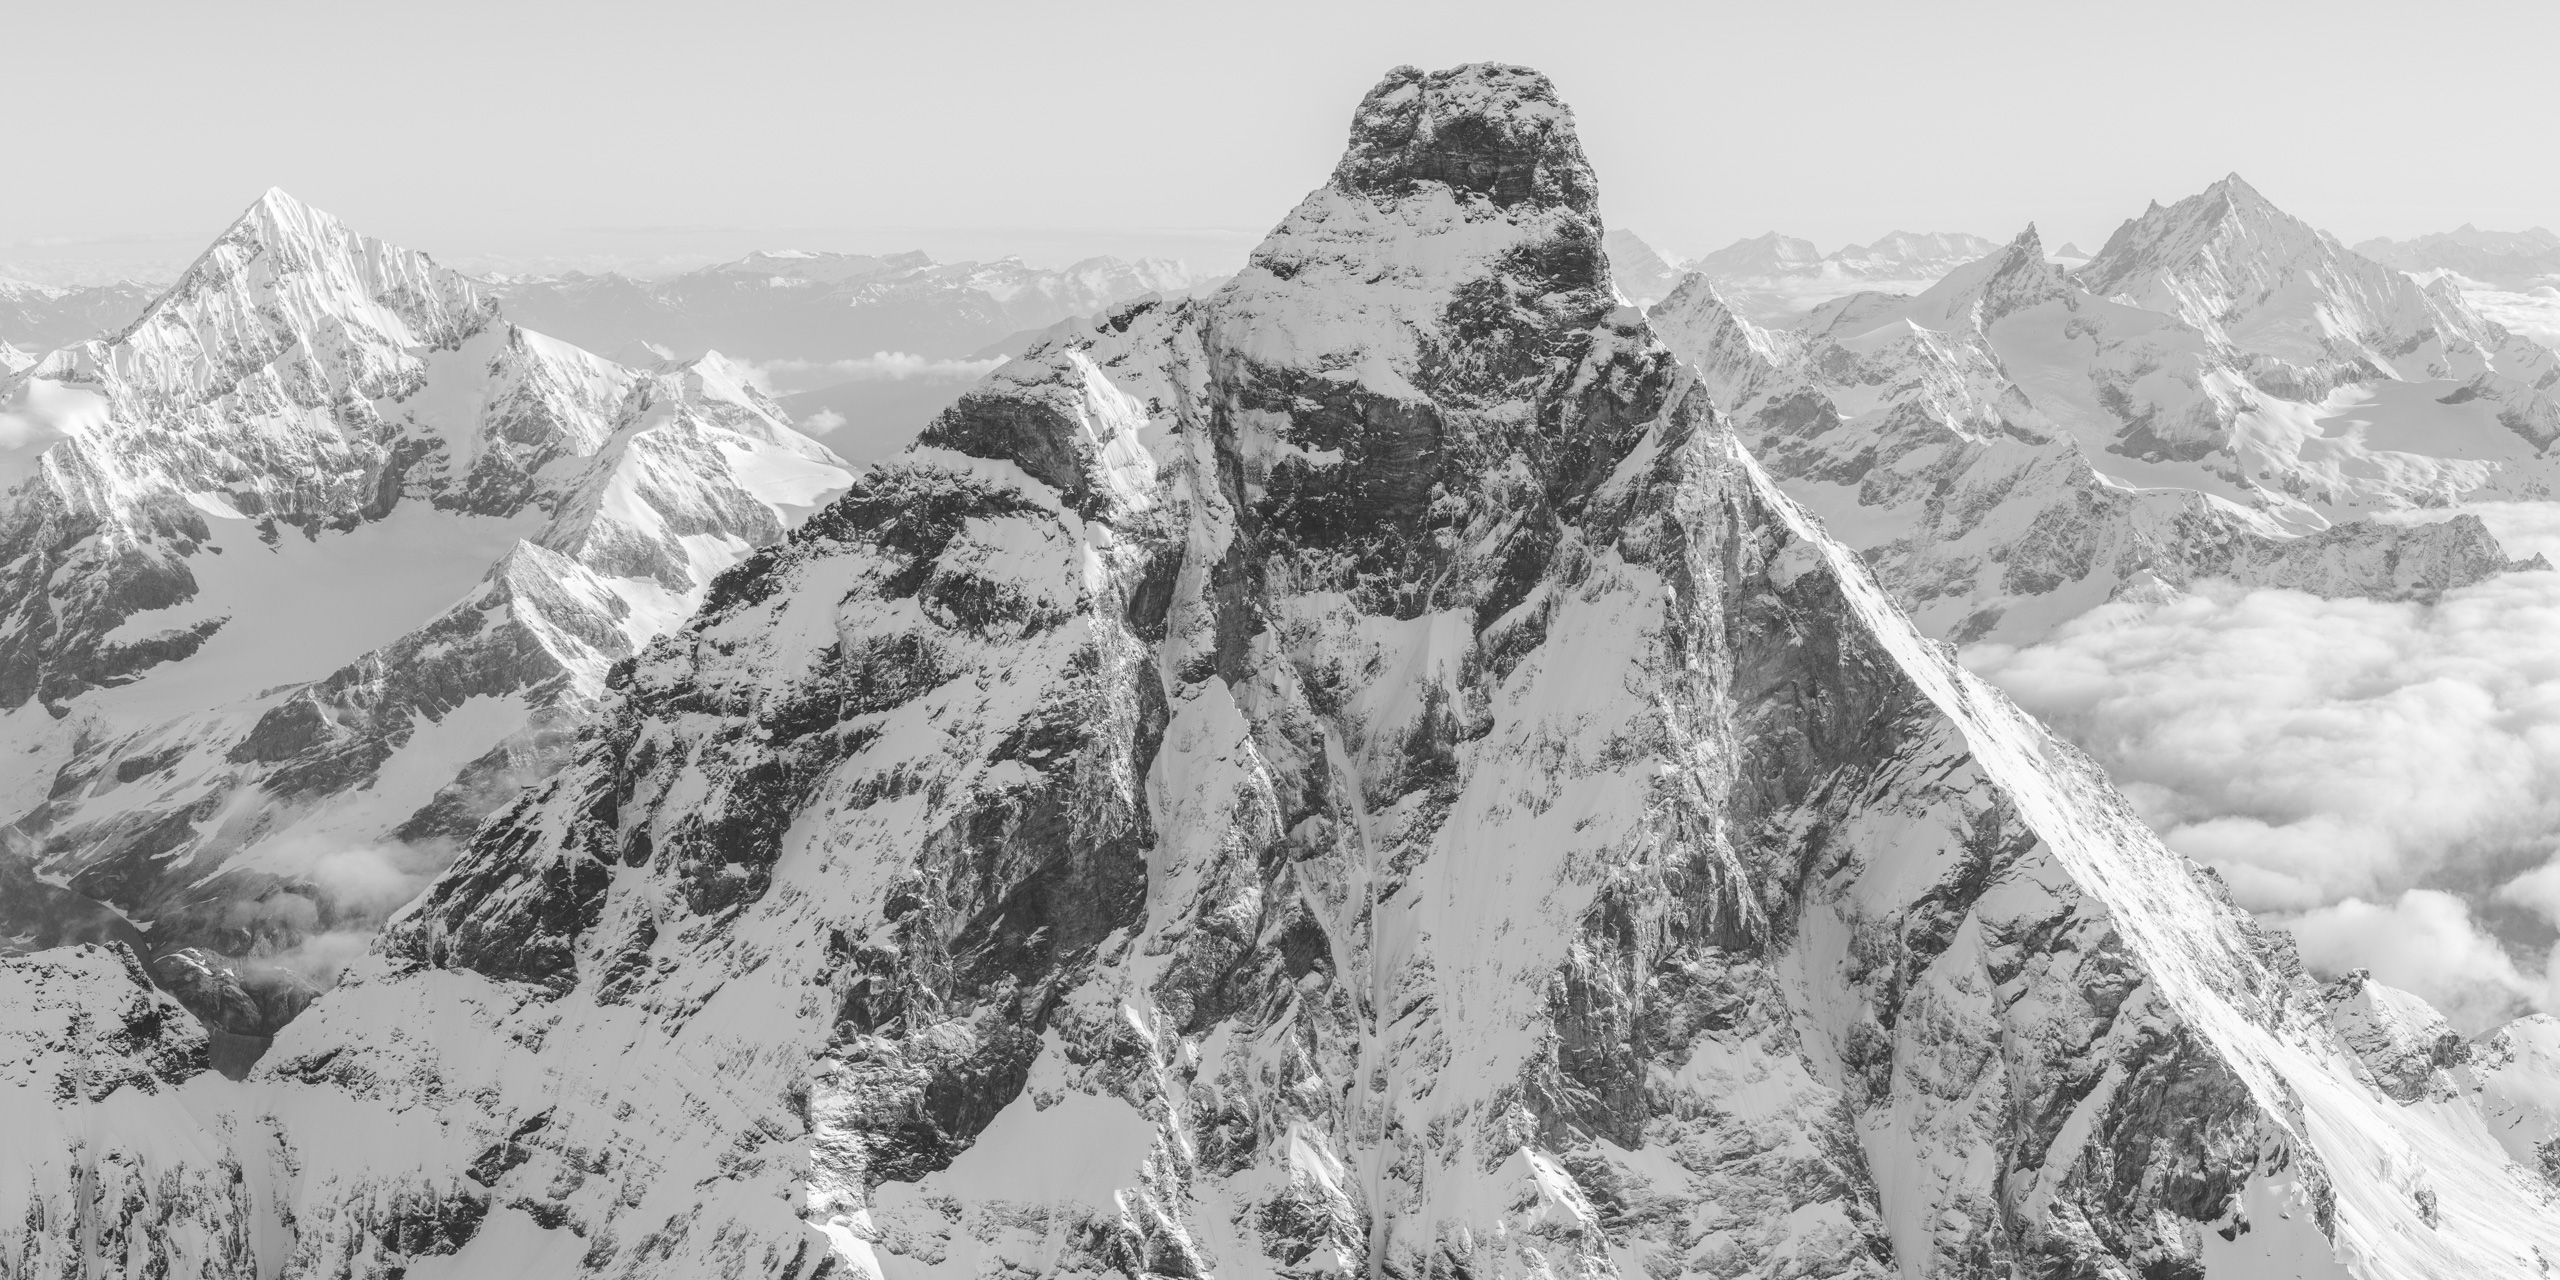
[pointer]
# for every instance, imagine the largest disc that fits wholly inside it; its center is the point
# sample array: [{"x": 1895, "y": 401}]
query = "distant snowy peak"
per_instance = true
[
  {"x": 285, "y": 269},
  {"x": 1770, "y": 254},
  {"x": 2262, "y": 282},
  {"x": 1776, "y": 279},
  {"x": 1969, "y": 298},
  {"x": 1901, "y": 254},
  {"x": 1645, "y": 274},
  {"x": 1898, "y": 255}
]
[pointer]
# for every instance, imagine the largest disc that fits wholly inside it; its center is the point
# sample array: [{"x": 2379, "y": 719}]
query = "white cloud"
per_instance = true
[
  {"x": 887, "y": 366},
  {"x": 2424, "y": 942},
  {"x": 2358, "y": 769},
  {"x": 821, "y": 422}
]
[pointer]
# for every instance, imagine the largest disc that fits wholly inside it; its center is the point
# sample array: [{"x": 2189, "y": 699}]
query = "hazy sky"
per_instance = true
[{"x": 491, "y": 132}]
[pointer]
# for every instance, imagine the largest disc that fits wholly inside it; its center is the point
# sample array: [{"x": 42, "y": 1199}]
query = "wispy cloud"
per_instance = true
[{"x": 887, "y": 366}]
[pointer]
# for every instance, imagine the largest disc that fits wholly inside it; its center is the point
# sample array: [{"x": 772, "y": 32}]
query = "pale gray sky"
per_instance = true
[{"x": 497, "y": 131}]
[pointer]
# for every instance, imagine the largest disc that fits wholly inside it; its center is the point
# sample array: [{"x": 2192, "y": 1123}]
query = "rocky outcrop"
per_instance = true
[{"x": 83, "y": 1022}]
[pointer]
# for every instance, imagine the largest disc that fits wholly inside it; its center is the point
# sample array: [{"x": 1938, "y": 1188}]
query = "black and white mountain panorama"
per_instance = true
[{"x": 1441, "y": 756}]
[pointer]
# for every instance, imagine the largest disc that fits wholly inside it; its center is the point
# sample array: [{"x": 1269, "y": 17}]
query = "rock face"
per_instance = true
[
  {"x": 84, "y": 1023},
  {"x": 320, "y": 560},
  {"x": 2009, "y": 450},
  {"x": 1359, "y": 773}
]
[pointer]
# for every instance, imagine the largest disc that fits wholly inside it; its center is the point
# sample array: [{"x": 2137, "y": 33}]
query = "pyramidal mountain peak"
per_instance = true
[
  {"x": 2230, "y": 264},
  {"x": 1362, "y": 772}
]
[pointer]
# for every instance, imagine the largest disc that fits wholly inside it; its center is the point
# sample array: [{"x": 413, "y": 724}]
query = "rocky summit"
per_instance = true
[{"x": 1361, "y": 773}]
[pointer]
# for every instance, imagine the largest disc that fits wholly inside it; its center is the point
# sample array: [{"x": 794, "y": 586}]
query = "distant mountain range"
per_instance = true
[
  {"x": 1774, "y": 278},
  {"x": 2513, "y": 260}
]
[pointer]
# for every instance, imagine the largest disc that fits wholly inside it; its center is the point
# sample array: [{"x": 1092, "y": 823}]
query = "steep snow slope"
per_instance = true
[
  {"x": 2008, "y": 451},
  {"x": 1361, "y": 773},
  {"x": 316, "y": 561}
]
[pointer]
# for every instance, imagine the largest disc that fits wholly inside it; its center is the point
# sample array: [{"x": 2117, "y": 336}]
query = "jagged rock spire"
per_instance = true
[{"x": 1494, "y": 130}]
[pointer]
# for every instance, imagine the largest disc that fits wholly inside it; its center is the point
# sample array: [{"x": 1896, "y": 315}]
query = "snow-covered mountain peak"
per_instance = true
[
  {"x": 1494, "y": 130},
  {"x": 1468, "y": 183},
  {"x": 2308, "y": 312},
  {"x": 1981, "y": 293},
  {"x": 1767, "y": 254},
  {"x": 285, "y": 272}
]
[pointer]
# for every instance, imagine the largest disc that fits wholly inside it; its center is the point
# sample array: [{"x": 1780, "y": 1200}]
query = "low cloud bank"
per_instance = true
[
  {"x": 2382, "y": 779},
  {"x": 885, "y": 366}
]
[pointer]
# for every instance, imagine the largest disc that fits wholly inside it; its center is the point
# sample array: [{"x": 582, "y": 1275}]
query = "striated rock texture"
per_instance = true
[
  {"x": 1359, "y": 774},
  {"x": 2007, "y": 451},
  {"x": 322, "y": 560}
]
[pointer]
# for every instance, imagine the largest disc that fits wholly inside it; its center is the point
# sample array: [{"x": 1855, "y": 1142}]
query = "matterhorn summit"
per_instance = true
[{"x": 1360, "y": 773}]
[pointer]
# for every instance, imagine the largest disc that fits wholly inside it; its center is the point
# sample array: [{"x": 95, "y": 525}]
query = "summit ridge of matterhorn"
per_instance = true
[
  {"x": 321, "y": 558},
  {"x": 1358, "y": 774}
]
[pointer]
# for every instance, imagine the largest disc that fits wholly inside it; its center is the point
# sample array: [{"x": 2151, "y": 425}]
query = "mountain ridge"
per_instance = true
[{"x": 280, "y": 529}]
